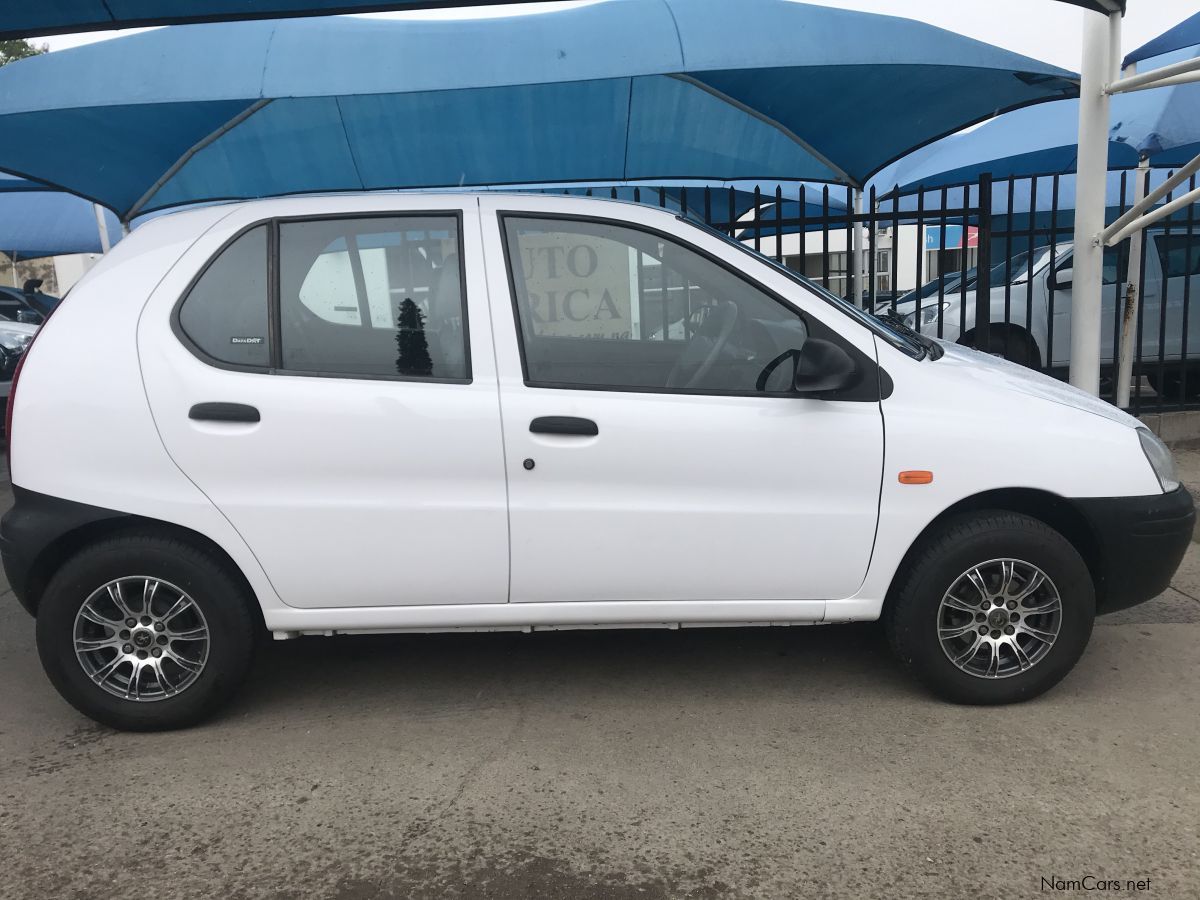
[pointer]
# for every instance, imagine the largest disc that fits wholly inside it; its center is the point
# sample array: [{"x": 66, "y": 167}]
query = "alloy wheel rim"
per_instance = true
[
  {"x": 999, "y": 618},
  {"x": 141, "y": 638}
]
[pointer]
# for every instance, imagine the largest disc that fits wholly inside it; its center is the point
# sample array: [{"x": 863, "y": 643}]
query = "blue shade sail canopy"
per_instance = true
[
  {"x": 1040, "y": 140},
  {"x": 1162, "y": 124},
  {"x": 36, "y": 223},
  {"x": 1185, "y": 34},
  {"x": 11, "y": 183},
  {"x": 22, "y": 18},
  {"x": 615, "y": 91}
]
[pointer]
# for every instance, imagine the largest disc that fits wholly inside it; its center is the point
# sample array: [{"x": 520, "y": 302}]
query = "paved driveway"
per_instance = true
[{"x": 704, "y": 763}]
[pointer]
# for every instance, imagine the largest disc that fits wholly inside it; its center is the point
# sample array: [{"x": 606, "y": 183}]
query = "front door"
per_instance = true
[
  {"x": 1112, "y": 299},
  {"x": 355, "y": 444},
  {"x": 653, "y": 453}
]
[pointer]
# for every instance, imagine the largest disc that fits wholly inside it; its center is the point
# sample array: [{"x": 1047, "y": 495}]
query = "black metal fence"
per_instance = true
[{"x": 984, "y": 262}]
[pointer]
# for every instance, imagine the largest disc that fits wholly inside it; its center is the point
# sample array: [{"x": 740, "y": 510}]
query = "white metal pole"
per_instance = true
[
  {"x": 1099, "y": 36},
  {"x": 859, "y": 277},
  {"x": 102, "y": 227},
  {"x": 1176, "y": 73},
  {"x": 1148, "y": 219},
  {"x": 1129, "y": 314},
  {"x": 1117, "y": 232}
]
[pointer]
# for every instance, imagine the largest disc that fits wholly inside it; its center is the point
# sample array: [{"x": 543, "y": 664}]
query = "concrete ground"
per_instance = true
[{"x": 707, "y": 763}]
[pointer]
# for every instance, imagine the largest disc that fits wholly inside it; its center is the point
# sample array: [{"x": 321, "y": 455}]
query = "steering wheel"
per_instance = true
[
  {"x": 725, "y": 316},
  {"x": 765, "y": 374}
]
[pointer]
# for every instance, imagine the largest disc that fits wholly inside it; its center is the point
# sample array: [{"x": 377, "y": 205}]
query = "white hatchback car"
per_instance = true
[{"x": 328, "y": 415}]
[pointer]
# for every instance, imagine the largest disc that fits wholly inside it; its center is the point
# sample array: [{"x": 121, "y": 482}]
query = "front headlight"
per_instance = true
[
  {"x": 1160, "y": 459},
  {"x": 929, "y": 315},
  {"x": 14, "y": 341}
]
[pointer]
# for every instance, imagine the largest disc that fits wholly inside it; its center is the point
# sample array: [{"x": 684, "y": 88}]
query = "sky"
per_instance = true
[{"x": 1044, "y": 29}]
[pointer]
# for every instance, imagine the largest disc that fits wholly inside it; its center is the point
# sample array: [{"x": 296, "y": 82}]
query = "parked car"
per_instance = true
[
  {"x": 14, "y": 341},
  {"x": 325, "y": 415},
  {"x": 1172, "y": 278},
  {"x": 947, "y": 283},
  {"x": 28, "y": 305}
]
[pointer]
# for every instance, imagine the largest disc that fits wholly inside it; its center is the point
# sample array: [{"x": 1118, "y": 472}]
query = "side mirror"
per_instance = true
[
  {"x": 823, "y": 368},
  {"x": 1064, "y": 277}
]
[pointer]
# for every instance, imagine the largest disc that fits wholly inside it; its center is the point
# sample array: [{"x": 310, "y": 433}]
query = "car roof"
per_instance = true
[{"x": 413, "y": 199}]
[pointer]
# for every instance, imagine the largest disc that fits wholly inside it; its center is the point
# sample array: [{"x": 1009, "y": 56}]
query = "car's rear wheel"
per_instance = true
[
  {"x": 994, "y": 608},
  {"x": 142, "y": 632}
]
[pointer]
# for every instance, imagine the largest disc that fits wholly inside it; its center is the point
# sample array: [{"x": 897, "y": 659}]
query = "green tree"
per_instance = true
[
  {"x": 11, "y": 51},
  {"x": 413, "y": 346}
]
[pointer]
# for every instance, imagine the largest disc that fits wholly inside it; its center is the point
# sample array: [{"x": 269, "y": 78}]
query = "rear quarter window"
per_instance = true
[{"x": 225, "y": 313}]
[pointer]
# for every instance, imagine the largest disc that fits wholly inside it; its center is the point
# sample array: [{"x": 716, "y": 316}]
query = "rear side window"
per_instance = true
[
  {"x": 225, "y": 313},
  {"x": 375, "y": 297},
  {"x": 1179, "y": 254}
]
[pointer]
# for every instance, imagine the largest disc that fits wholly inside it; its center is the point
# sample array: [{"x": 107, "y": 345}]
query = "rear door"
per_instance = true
[
  {"x": 642, "y": 465},
  {"x": 328, "y": 382},
  {"x": 1173, "y": 264}
]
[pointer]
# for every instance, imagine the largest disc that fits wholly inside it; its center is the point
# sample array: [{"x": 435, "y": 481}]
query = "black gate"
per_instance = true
[{"x": 983, "y": 262}]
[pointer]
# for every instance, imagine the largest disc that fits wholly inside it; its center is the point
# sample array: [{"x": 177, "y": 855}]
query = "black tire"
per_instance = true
[
  {"x": 225, "y": 604},
  {"x": 1014, "y": 344},
  {"x": 913, "y": 613},
  {"x": 1170, "y": 384}
]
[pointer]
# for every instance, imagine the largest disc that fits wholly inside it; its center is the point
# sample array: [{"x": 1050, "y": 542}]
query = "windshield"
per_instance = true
[
  {"x": 950, "y": 282},
  {"x": 1017, "y": 269},
  {"x": 903, "y": 341}
]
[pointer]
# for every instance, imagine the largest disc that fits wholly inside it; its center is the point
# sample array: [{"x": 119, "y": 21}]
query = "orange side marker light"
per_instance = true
[{"x": 916, "y": 476}]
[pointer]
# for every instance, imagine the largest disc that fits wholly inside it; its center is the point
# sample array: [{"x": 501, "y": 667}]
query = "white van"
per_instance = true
[
  {"x": 323, "y": 415},
  {"x": 1171, "y": 271}
]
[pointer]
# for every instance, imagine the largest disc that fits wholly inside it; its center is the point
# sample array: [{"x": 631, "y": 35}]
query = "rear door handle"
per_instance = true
[
  {"x": 224, "y": 412},
  {"x": 564, "y": 425}
]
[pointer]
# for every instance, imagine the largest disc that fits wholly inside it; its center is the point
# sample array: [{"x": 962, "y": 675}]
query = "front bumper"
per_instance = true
[{"x": 1141, "y": 541}]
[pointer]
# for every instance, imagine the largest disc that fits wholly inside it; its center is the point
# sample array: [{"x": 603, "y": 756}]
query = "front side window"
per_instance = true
[
  {"x": 376, "y": 297},
  {"x": 607, "y": 306},
  {"x": 1110, "y": 269},
  {"x": 225, "y": 312}
]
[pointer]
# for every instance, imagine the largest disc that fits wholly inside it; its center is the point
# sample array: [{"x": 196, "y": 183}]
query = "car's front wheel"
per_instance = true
[
  {"x": 996, "y": 607},
  {"x": 143, "y": 632},
  {"x": 1011, "y": 343}
]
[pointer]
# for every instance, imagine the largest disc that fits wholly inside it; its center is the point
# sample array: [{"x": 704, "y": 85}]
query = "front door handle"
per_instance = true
[
  {"x": 224, "y": 412},
  {"x": 564, "y": 425}
]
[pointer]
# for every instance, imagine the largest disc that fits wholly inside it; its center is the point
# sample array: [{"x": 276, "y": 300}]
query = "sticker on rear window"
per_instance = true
[{"x": 245, "y": 340}]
